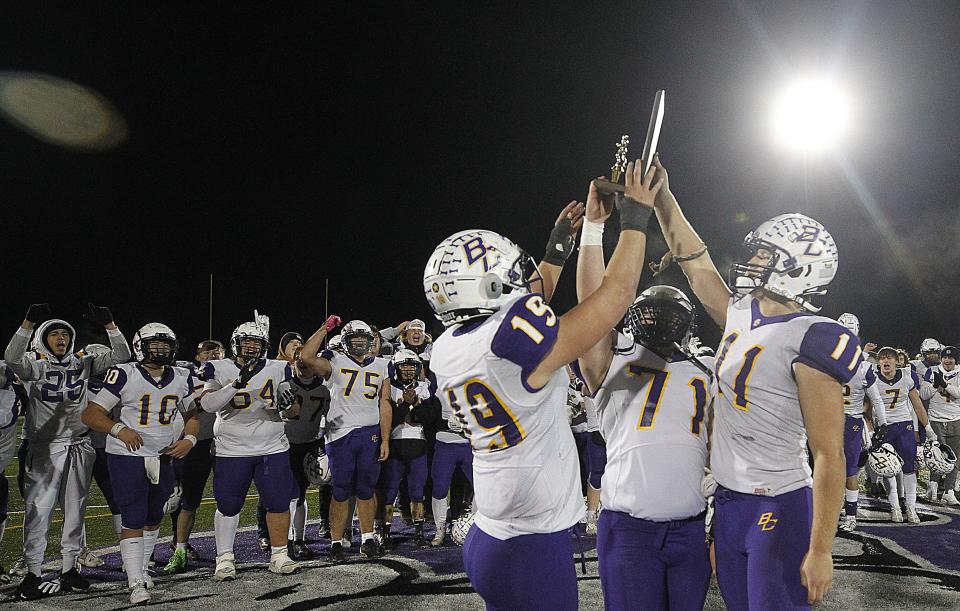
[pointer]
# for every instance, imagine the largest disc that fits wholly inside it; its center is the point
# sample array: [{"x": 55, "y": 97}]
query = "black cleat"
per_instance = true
[
  {"x": 298, "y": 550},
  {"x": 72, "y": 581},
  {"x": 370, "y": 549},
  {"x": 33, "y": 587},
  {"x": 324, "y": 532},
  {"x": 336, "y": 552}
]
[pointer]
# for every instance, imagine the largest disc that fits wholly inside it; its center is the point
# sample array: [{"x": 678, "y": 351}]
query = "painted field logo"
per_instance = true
[{"x": 767, "y": 521}]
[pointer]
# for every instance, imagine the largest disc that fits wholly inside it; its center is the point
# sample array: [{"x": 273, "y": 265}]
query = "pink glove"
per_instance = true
[{"x": 332, "y": 323}]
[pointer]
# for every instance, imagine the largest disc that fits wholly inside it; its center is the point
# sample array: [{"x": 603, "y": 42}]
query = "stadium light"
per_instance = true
[{"x": 810, "y": 115}]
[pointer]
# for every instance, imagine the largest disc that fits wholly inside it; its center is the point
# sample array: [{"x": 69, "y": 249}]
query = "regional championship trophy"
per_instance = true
[{"x": 609, "y": 188}]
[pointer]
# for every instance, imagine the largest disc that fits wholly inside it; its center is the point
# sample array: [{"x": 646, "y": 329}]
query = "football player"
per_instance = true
[
  {"x": 59, "y": 458},
  {"x": 414, "y": 337},
  {"x": 197, "y": 466},
  {"x": 900, "y": 389},
  {"x": 357, "y": 429},
  {"x": 930, "y": 356},
  {"x": 499, "y": 368},
  {"x": 944, "y": 412},
  {"x": 251, "y": 444},
  {"x": 12, "y": 397},
  {"x": 652, "y": 401},
  {"x": 862, "y": 386},
  {"x": 150, "y": 394},
  {"x": 779, "y": 370},
  {"x": 411, "y": 399}
]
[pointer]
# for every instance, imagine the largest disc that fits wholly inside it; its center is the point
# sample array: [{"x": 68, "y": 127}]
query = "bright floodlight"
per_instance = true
[{"x": 810, "y": 115}]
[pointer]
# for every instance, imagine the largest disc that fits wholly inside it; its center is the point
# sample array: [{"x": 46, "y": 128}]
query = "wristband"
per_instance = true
[
  {"x": 633, "y": 215},
  {"x": 191, "y": 438},
  {"x": 591, "y": 234},
  {"x": 116, "y": 428},
  {"x": 560, "y": 244}
]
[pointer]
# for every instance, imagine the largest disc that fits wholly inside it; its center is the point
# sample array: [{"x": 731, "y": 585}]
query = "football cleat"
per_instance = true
[
  {"x": 178, "y": 562},
  {"x": 148, "y": 580},
  {"x": 438, "y": 538},
  {"x": 226, "y": 567},
  {"x": 950, "y": 498},
  {"x": 71, "y": 581},
  {"x": 336, "y": 552},
  {"x": 139, "y": 594},
  {"x": 370, "y": 549},
  {"x": 324, "y": 532},
  {"x": 33, "y": 587},
  {"x": 848, "y": 524},
  {"x": 19, "y": 568},
  {"x": 89, "y": 559},
  {"x": 896, "y": 515},
  {"x": 282, "y": 564},
  {"x": 912, "y": 516},
  {"x": 298, "y": 550}
]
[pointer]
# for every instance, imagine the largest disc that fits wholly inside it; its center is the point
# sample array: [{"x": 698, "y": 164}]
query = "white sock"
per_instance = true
[
  {"x": 117, "y": 524},
  {"x": 851, "y": 496},
  {"x": 892, "y": 495},
  {"x": 131, "y": 550},
  {"x": 225, "y": 531},
  {"x": 440, "y": 513},
  {"x": 900, "y": 490},
  {"x": 149, "y": 542},
  {"x": 932, "y": 488},
  {"x": 910, "y": 489},
  {"x": 292, "y": 509},
  {"x": 299, "y": 520},
  {"x": 276, "y": 550},
  {"x": 365, "y": 536},
  {"x": 182, "y": 546}
]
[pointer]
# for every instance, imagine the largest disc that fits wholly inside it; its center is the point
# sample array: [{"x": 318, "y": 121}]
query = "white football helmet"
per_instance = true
[
  {"x": 316, "y": 467},
  {"x": 356, "y": 329},
  {"x": 930, "y": 345},
  {"x": 940, "y": 458},
  {"x": 95, "y": 350},
  {"x": 39, "y": 344},
  {"x": 850, "y": 321},
  {"x": 335, "y": 343},
  {"x": 250, "y": 330},
  {"x": 460, "y": 528},
  {"x": 803, "y": 259},
  {"x": 402, "y": 361},
  {"x": 473, "y": 273},
  {"x": 884, "y": 461},
  {"x": 920, "y": 462},
  {"x": 154, "y": 331}
]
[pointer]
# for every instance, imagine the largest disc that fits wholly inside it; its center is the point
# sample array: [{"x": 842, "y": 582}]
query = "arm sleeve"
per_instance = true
[
  {"x": 527, "y": 334},
  {"x": 389, "y": 333},
  {"x": 876, "y": 400},
  {"x": 216, "y": 400},
  {"x": 119, "y": 353},
  {"x": 16, "y": 356},
  {"x": 824, "y": 349}
]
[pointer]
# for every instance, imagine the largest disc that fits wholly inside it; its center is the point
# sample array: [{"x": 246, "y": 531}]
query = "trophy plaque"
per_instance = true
[{"x": 608, "y": 188}]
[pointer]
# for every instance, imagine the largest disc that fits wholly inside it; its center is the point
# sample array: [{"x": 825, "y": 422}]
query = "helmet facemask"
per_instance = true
[
  {"x": 358, "y": 343},
  {"x": 408, "y": 373},
  {"x": 250, "y": 348},
  {"x": 660, "y": 322},
  {"x": 158, "y": 351}
]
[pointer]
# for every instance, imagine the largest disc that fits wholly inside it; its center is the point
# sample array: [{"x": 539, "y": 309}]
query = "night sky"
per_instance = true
[{"x": 279, "y": 148}]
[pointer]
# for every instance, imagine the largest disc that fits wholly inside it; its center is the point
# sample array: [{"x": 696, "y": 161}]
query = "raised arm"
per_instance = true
[
  {"x": 590, "y": 267},
  {"x": 691, "y": 253},
  {"x": 559, "y": 247},
  {"x": 15, "y": 354},
  {"x": 310, "y": 361},
  {"x": 590, "y": 321}
]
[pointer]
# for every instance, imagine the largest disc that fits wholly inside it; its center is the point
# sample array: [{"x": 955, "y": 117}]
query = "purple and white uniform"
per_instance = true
[
  {"x": 525, "y": 468},
  {"x": 862, "y": 384},
  {"x": 408, "y": 447},
  {"x": 764, "y": 500},
  {"x": 900, "y": 414},
  {"x": 650, "y": 541}
]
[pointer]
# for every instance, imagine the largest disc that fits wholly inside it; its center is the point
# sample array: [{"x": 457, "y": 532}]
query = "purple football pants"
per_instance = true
[
  {"x": 760, "y": 543},
  {"x": 140, "y": 502},
  {"x": 902, "y": 437},
  {"x": 446, "y": 458},
  {"x": 416, "y": 472},
  {"x": 853, "y": 443}
]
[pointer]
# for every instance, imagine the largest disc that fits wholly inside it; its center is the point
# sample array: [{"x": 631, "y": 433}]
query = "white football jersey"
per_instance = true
[
  {"x": 945, "y": 408},
  {"x": 758, "y": 437},
  {"x": 250, "y": 424},
  {"x": 151, "y": 407},
  {"x": 354, "y": 393},
  {"x": 896, "y": 394},
  {"x": 314, "y": 399},
  {"x": 10, "y": 407},
  {"x": 407, "y": 429},
  {"x": 652, "y": 418},
  {"x": 525, "y": 468},
  {"x": 863, "y": 383}
]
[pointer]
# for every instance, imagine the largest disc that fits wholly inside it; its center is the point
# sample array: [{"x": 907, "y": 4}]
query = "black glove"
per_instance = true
[
  {"x": 938, "y": 382},
  {"x": 560, "y": 244},
  {"x": 879, "y": 434},
  {"x": 98, "y": 315},
  {"x": 38, "y": 312},
  {"x": 286, "y": 399},
  {"x": 246, "y": 372}
]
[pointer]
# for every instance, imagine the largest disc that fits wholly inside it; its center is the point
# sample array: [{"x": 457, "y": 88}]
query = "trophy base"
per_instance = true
[{"x": 607, "y": 189}]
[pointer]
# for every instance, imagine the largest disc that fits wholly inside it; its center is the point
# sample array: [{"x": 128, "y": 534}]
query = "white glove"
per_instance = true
[
  {"x": 454, "y": 424},
  {"x": 708, "y": 485}
]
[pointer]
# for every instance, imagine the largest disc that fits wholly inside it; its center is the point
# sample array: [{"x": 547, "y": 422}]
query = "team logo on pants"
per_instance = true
[
  {"x": 374, "y": 438},
  {"x": 767, "y": 521}
]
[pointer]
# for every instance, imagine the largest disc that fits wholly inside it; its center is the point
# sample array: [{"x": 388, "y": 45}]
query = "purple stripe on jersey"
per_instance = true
[
  {"x": 916, "y": 380},
  {"x": 527, "y": 334},
  {"x": 820, "y": 346},
  {"x": 758, "y": 319},
  {"x": 165, "y": 378},
  {"x": 869, "y": 379},
  {"x": 119, "y": 379}
]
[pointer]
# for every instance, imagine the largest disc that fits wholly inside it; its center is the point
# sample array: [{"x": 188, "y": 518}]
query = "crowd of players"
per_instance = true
[{"x": 691, "y": 464}]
